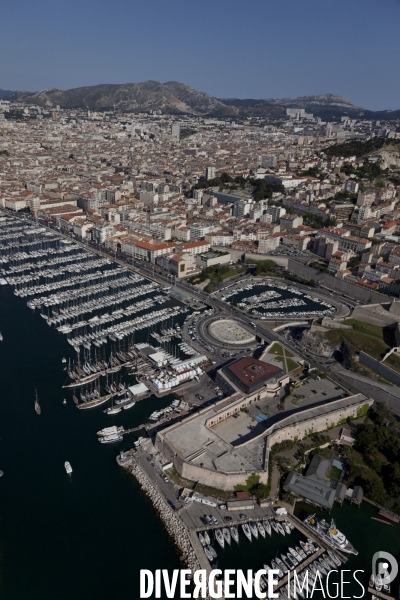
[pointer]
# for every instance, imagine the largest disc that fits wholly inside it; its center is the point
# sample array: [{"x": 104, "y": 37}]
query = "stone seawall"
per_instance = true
[{"x": 172, "y": 523}]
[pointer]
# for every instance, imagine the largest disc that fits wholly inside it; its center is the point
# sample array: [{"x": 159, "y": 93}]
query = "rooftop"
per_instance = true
[{"x": 250, "y": 373}]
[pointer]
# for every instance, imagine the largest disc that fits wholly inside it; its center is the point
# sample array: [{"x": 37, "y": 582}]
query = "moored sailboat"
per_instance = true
[{"x": 38, "y": 410}]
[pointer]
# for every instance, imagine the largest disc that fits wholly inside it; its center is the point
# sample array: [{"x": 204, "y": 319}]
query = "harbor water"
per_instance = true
[
  {"x": 81, "y": 536},
  {"x": 366, "y": 535}
]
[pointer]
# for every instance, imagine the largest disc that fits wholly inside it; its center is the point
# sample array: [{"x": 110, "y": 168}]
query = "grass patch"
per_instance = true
[
  {"x": 298, "y": 372},
  {"x": 393, "y": 361},
  {"x": 181, "y": 481},
  {"x": 334, "y": 473},
  {"x": 383, "y": 380},
  {"x": 383, "y": 333},
  {"x": 291, "y": 365},
  {"x": 208, "y": 490},
  {"x": 251, "y": 481},
  {"x": 371, "y": 339},
  {"x": 276, "y": 349},
  {"x": 199, "y": 487}
]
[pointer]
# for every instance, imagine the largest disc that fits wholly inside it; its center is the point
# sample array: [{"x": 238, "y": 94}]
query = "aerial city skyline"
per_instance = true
[{"x": 199, "y": 300}]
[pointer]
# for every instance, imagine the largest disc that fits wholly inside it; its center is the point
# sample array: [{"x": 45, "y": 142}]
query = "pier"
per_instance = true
[
  {"x": 310, "y": 532},
  {"x": 380, "y": 594},
  {"x": 138, "y": 428}
]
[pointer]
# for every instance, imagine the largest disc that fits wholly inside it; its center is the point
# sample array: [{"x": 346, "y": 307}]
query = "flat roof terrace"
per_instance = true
[
  {"x": 231, "y": 446},
  {"x": 249, "y": 374}
]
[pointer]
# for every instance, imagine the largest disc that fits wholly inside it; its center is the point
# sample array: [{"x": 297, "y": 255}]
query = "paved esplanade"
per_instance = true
[{"x": 231, "y": 332}]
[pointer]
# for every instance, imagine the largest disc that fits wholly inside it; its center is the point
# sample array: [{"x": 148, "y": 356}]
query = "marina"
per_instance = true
[
  {"x": 102, "y": 309},
  {"x": 61, "y": 521},
  {"x": 279, "y": 299}
]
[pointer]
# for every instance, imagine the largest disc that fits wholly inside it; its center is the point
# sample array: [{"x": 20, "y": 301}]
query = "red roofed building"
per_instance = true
[
  {"x": 249, "y": 374},
  {"x": 195, "y": 247},
  {"x": 371, "y": 285},
  {"x": 148, "y": 250}
]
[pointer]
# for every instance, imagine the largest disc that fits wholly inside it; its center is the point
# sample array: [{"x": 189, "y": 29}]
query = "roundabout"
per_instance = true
[
  {"x": 226, "y": 332},
  {"x": 230, "y": 332}
]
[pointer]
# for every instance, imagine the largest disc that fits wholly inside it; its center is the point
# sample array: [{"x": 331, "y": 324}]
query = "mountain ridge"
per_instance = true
[{"x": 173, "y": 97}]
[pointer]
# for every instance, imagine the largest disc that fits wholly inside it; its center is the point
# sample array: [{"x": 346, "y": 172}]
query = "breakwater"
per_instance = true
[{"x": 171, "y": 521}]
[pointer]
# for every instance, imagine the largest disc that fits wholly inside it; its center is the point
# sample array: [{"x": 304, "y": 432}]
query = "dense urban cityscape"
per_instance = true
[
  {"x": 199, "y": 300},
  {"x": 278, "y": 239}
]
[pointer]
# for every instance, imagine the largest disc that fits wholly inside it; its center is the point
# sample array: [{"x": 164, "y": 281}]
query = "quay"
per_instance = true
[
  {"x": 126, "y": 431},
  {"x": 310, "y": 532}
]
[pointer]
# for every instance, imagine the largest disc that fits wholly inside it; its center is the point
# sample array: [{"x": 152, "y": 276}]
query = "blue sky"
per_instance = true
[{"x": 242, "y": 49}]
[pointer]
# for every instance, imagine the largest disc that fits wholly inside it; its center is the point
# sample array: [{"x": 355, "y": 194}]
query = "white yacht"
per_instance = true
[
  {"x": 108, "y": 431},
  {"x": 113, "y": 410},
  {"x": 111, "y": 439},
  {"x": 129, "y": 405},
  {"x": 331, "y": 534},
  {"x": 68, "y": 467}
]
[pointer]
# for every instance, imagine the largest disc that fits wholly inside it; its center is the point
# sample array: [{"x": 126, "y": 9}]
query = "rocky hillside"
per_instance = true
[
  {"x": 170, "y": 97},
  {"x": 178, "y": 98},
  {"x": 5, "y": 93},
  {"x": 390, "y": 155}
]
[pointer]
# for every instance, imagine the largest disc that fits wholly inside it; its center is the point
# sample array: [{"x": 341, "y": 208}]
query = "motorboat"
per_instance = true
[
  {"x": 278, "y": 565},
  {"x": 113, "y": 410},
  {"x": 111, "y": 439},
  {"x": 301, "y": 552},
  {"x": 287, "y": 562},
  {"x": 295, "y": 554},
  {"x": 208, "y": 553},
  {"x": 108, "y": 431},
  {"x": 336, "y": 560},
  {"x": 68, "y": 467},
  {"x": 292, "y": 558},
  {"x": 306, "y": 548},
  {"x": 201, "y": 538},
  {"x": 129, "y": 405}
]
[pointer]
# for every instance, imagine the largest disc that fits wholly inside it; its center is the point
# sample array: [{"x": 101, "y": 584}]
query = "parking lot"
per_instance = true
[{"x": 193, "y": 515}]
